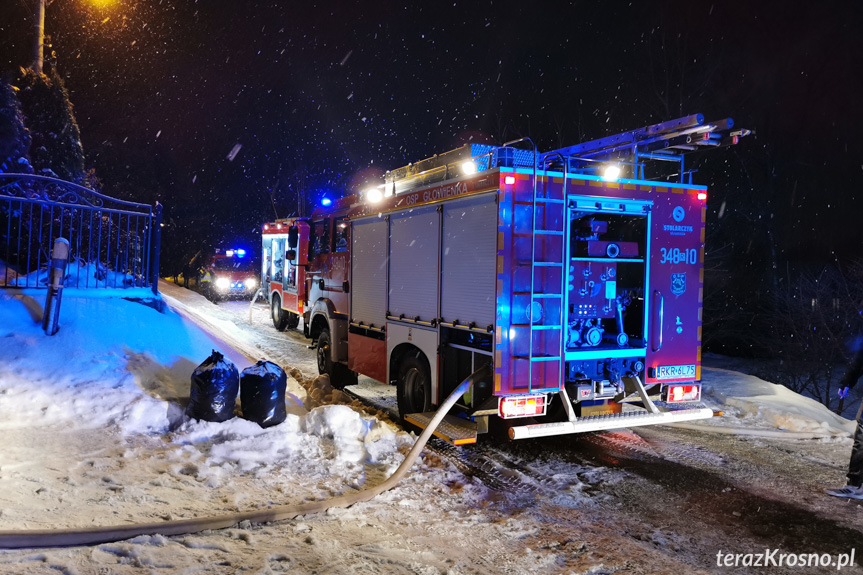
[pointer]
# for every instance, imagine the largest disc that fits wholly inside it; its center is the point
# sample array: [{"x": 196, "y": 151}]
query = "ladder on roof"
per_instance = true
[
  {"x": 667, "y": 141},
  {"x": 544, "y": 314}
]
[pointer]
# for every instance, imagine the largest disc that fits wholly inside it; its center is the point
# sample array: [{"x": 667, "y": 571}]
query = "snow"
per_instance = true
[
  {"x": 759, "y": 404},
  {"x": 93, "y": 431},
  {"x": 121, "y": 369}
]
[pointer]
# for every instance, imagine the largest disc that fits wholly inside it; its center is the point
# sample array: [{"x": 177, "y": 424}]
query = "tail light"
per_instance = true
[
  {"x": 681, "y": 393},
  {"x": 522, "y": 406}
]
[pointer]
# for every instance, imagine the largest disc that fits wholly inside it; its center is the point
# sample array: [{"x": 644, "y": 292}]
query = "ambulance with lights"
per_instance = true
[{"x": 567, "y": 285}]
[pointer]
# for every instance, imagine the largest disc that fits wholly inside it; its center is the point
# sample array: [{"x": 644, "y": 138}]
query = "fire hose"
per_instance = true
[{"x": 95, "y": 535}]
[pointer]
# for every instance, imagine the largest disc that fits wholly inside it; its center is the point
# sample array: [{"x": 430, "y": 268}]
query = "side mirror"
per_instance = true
[
  {"x": 291, "y": 255},
  {"x": 293, "y": 237}
]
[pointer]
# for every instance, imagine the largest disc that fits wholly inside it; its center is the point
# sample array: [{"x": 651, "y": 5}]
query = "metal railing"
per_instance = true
[{"x": 114, "y": 243}]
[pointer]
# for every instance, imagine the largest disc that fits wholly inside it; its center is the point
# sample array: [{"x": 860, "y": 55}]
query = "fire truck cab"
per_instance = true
[{"x": 569, "y": 294}]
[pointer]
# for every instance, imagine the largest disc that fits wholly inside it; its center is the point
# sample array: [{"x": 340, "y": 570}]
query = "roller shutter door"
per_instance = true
[
  {"x": 414, "y": 250},
  {"x": 369, "y": 271},
  {"x": 469, "y": 261}
]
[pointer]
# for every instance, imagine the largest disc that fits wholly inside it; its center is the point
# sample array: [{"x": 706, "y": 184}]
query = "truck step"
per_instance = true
[
  {"x": 611, "y": 421},
  {"x": 454, "y": 430}
]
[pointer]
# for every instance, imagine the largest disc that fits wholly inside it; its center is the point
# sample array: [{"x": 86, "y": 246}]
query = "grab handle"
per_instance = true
[{"x": 657, "y": 295}]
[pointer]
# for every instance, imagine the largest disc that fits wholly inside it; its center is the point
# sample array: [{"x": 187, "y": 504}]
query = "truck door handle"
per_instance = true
[{"x": 657, "y": 296}]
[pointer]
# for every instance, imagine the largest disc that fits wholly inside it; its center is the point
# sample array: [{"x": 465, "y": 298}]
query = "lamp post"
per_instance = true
[{"x": 39, "y": 48}]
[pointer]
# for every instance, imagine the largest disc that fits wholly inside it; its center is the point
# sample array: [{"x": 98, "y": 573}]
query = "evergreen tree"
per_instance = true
[
  {"x": 56, "y": 140},
  {"x": 14, "y": 136}
]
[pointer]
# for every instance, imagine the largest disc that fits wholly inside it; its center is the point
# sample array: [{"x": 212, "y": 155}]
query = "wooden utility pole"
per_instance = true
[{"x": 39, "y": 48}]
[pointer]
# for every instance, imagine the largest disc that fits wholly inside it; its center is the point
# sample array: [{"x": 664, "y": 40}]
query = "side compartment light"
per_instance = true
[
  {"x": 702, "y": 196},
  {"x": 509, "y": 180},
  {"x": 468, "y": 168},
  {"x": 522, "y": 406}
]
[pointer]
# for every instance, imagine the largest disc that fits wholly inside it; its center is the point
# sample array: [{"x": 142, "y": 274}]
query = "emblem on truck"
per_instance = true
[{"x": 678, "y": 283}]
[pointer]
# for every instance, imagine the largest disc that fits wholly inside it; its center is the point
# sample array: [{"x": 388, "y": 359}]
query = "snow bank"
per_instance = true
[
  {"x": 80, "y": 274},
  {"x": 750, "y": 401},
  {"x": 95, "y": 414}
]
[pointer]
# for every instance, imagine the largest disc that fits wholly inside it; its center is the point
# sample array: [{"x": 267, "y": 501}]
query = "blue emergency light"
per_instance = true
[{"x": 325, "y": 201}]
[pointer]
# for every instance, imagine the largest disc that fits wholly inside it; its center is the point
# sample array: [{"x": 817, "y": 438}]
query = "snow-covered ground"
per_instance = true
[{"x": 93, "y": 432}]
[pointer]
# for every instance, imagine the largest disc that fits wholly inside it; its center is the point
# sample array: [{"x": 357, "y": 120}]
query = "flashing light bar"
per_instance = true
[
  {"x": 522, "y": 406},
  {"x": 681, "y": 393}
]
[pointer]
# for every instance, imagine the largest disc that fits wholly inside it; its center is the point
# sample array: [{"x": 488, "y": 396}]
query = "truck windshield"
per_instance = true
[{"x": 237, "y": 264}]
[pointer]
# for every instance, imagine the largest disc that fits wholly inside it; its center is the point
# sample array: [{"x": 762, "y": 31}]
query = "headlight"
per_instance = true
[
  {"x": 223, "y": 283},
  {"x": 251, "y": 283}
]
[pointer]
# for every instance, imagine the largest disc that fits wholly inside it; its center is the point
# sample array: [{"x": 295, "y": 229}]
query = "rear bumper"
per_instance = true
[{"x": 603, "y": 422}]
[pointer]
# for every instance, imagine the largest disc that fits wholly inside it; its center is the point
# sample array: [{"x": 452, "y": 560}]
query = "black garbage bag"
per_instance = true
[
  {"x": 262, "y": 393},
  {"x": 215, "y": 384}
]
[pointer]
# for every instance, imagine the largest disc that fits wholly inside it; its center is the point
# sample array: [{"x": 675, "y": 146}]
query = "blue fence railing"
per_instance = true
[{"x": 113, "y": 243}]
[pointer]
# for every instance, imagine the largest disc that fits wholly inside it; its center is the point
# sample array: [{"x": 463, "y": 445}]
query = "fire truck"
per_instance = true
[{"x": 567, "y": 285}]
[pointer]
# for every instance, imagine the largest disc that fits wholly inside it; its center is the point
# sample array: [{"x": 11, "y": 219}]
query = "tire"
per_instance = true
[
  {"x": 413, "y": 387},
  {"x": 293, "y": 320},
  {"x": 280, "y": 316},
  {"x": 340, "y": 375}
]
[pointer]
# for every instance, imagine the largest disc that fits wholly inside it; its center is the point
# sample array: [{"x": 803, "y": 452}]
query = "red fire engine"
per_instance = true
[{"x": 570, "y": 294}]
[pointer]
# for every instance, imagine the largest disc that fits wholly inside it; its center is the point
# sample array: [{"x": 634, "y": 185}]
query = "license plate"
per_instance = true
[{"x": 675, "y": 372}]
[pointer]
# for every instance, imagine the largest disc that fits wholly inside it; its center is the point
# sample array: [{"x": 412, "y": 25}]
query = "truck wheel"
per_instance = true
[
  {"x": 293, "y": 320},
  {"x": 280, "y": 316},
  {"x": 340, "y": 375},
  {"x": 413, "y": 387}
]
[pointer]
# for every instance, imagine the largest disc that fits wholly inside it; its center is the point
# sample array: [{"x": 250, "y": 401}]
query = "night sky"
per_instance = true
[{"x": 223, "y": 110}]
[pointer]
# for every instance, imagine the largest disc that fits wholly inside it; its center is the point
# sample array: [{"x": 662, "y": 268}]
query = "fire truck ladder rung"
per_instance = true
[
  {"x": 539, "y": 233},
  {"x": 539, "y": 357},
  {"x": 539, "y": 295}
]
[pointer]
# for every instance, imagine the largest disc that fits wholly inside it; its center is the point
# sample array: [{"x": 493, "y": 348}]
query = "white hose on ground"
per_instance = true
[
  {"x": 258, "y": 293},
  {"x": 93, "y": 535}
]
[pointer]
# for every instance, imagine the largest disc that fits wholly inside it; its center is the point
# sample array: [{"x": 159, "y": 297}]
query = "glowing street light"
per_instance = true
[{"x": 39, "y": 46}]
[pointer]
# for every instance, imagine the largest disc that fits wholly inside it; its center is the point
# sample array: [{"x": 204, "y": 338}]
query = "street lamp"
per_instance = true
[
  {"x": 40, "y": 38},
  {"x": 39, "y": 47}
]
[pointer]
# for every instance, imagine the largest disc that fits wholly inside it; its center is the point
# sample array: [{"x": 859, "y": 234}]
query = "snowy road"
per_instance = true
[
  {"x": 685, "y": 495},
  {"x": 93, "y": 433}
]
